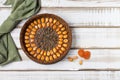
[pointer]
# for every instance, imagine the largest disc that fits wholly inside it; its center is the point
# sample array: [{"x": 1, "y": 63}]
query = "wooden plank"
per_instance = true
[
  {"x": 79, "y": 17},
  {"x": 87, "y": 37},
  {"x": 75, "y": 3},
  {"x": 101, "y": 59},
  {"x": 58, "y": 75}
]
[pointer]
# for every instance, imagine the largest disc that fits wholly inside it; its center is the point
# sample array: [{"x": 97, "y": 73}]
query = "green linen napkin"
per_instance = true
[{"x": 21, "y": 9}]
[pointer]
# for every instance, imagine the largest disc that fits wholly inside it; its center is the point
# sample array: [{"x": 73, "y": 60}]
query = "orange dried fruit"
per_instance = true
[
  {"x": 87, "y": 54},
  {"x": 81, "y": 52}
]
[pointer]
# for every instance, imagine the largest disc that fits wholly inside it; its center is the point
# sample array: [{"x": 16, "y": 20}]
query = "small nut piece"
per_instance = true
[
  {"x": 51, "y": 58},
  {"x": 34, "y": 55},
  {"x": 34, "y": 48},
  {"x": 30, "y": 27},
  {"x": 39, "y": 25},
  {"x": 54, "y": 56},
  {"x": 62, "y": 48},
  {"x": 60, "y": 42},
  {"x": 48, "y": 53},
  {"x": 54, "y": 21},
  {"x": 65, "y": 40},
  {"x": 51, "y": 52},
  {"x": 81, "y": 62},
  {"x": 38, "y": 21},
  {"x": 27, "y": 45},
  {"x": 60, "y": 26},
  {"x": 38, "y": 56},
  {"x": 46, "y": 19},
  {"x": 33, "y": 45},
  {"x": 34, "y": 29},
  {"x": 60, "y": 36},
  {"x": 54, "y": 50},
  {"x": 60, "y": 52},
  {"x": 62, "y": 29},
  {"x": 31, "y": 40},
  {"x": 32, "y": 36},
  {"x": 42, "y": 58},
  {"x": 29, "y": 49},
  {"x": 54, "y": 26},
  {"x": 75, "y": 57},
  {"x": 45, "y": 53},
  {"x": 65, "y": 32},
  {"x": 42, "y": 52},
  {"x": 26, "y": 34},
  {"x": 28, "y": 30},
  {"x": 58, "y": 55},
  {"x": 48, "y": 24},
  {"x": 26, "y": 37},
  {"x": 59, "y": 32},
  {"x": 32, "y": 52},
  {"x": 43, "y": 25},
  {"x": 50, "y": 20},
  {"x": 65, "y": 36},
  {"x": 32, "y": 24},
  {"x": 47, "y": 59},
  {"x": 38, "y": 50},
  {"x": 65, "y": 45},
  {"x": 42, "y": 20},
  {"x": 70, "y": 59},
  {"x": 26, "y": 41},
  {"x": 35, "y": 22},
  {"x": 59, "y": 45},
  {"x": 32, "y": 32}
]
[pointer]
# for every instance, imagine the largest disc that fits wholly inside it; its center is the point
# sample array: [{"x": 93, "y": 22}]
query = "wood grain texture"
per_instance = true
[
  {"x": 79, "y": 17},
  {"x": 58, "y": 75},
  {"x": 104, "y": 59},
  {"x": 75, "y": 3}
]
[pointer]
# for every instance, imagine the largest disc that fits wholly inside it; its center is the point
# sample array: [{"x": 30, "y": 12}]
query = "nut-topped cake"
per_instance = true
[{"x": 46, "y": 38}]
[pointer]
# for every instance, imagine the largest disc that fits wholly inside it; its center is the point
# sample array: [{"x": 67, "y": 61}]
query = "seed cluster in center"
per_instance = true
[{"x": 46, "y": 38}]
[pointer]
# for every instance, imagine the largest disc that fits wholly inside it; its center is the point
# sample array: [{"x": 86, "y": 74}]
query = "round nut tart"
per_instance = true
[{"x": 46, "y": 38}]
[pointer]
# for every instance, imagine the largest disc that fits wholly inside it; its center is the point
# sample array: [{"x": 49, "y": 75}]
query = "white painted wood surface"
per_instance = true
[
  {"x": 103, "y": 59},
  {"x": 79, "y": 17},
  {"x": 95, "y": 26},
  {"x": 75, "y": 3},
  {"x": 61, "y": 75}
]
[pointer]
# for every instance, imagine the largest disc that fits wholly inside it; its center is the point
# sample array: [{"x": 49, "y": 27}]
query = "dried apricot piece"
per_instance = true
[
  {"x": 87, "y": 54},
  {"x": 81, "y": 52}
]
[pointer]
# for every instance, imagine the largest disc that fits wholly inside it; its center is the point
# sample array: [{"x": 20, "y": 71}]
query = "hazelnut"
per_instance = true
[
  {"x": 38, "y": 50},
  {"x": 38, "y": 56},
  {"x": 54, "y": 21},
  {"x": 65, "y": 40},
  {"x": 46, "y": 19},
  {"x": 50, "y": 20},
  {"x": 47, "y": 59},
  {"x": 51, "y": 58},
  {"x": 27, "y": 45},
  {"x": 26, "y": 37},
  {"x": 38, "y": 20},
  {"x": 32, "y": 36},
  {"x": 42, "y": 58},
  {"x": 42, "y": 20},
  {"x": 35, "y": 22},
  {"x": 65, "y": 45},
  {"x": 29, "y": 49},
  {"x": 26, "y": 41},
  {"x": 62, "y": 48},
  {"x": 39, "y": 25},
  {"x": 28, "y": 30}
]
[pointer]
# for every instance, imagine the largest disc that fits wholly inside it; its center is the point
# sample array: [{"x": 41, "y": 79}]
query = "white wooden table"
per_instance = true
[{"x": 95, "y": 26}]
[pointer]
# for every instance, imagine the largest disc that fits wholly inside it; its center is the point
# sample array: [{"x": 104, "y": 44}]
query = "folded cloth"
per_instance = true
[{"x": 21, "y": 9}]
